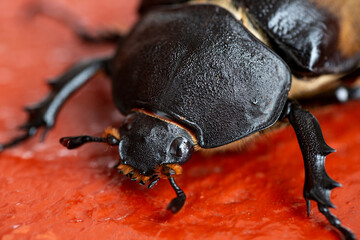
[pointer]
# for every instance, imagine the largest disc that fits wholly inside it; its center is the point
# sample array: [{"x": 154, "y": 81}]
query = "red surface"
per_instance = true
[{"x": 48, "y": 192}]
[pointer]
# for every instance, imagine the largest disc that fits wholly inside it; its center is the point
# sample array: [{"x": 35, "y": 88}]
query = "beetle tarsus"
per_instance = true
[
  {"x": 177, "y": 203},
  {"x": 15, "y": 141},
  {"x": 349, "y": 235}
]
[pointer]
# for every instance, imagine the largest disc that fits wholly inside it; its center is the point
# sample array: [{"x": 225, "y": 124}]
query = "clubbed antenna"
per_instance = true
[{"x": 77, "y": 141}]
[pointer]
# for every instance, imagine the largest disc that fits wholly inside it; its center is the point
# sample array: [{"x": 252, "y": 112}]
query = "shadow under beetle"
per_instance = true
[{"x": 196, "y": 75}]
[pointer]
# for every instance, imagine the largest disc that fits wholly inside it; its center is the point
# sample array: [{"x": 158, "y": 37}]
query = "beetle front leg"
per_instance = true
[
  {"x": 43, "y": 114},
  {"x": 318, "y": 184},
  {"x": 177, "y": 203}
]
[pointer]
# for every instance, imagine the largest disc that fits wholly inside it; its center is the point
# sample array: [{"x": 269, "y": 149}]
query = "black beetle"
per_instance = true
[{"x": 191, "y": 76}]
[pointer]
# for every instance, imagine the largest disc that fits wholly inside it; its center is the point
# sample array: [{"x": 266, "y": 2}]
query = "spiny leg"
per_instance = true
[
  {"x": 43, "y": 114},
  {"x": 67, "y": 18},
  {"x": 318, "y": 184}
]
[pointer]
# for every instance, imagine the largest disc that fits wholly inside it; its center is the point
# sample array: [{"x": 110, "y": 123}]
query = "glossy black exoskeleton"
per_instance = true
[{"x": 192, "y": 75}]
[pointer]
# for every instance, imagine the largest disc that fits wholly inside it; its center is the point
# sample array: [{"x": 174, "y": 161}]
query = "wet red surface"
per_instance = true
[{"x": 48, "y": 192}]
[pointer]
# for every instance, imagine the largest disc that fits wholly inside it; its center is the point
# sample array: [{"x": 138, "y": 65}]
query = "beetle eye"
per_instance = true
[{"x": 181, "y": 148}]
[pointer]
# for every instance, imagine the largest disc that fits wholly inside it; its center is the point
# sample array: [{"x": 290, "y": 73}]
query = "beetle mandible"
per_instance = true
[{"x": 191, "y": 76}]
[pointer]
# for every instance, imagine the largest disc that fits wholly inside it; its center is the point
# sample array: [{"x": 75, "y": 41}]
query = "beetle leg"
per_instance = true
[
  {"x": 340, "y": 94},
  {"x": 336, "y": 222},
  {"x": 44, "y": 113},
  {"x": 28, "y": 133},
  {"x": 318, "y": 184},
  {"x": 177, "y": 203},
  {"x": 71, "y": 21},
  {"x": 344, "y": 93},
  {"x": 351, "y": 88}
]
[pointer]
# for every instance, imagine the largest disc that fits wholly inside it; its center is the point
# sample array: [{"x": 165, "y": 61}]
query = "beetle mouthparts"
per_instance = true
[
  {"x": 164, "y": 171},
  {"x": 133, "y": 174}
]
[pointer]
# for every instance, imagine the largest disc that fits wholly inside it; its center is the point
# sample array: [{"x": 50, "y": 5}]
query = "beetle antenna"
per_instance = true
[
  {"x": 77, "y": 141},
  {"x": 177, "y": 203}
]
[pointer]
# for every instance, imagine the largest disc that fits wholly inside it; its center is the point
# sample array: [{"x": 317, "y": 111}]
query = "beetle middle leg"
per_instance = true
[
  {"x": 346, "y": 92},
  {"x": 346, "y": 89},
  {"x": 71, "y": 21},
  {"x": 44, "y": 113},
  {"x": 318, "y": 184}
]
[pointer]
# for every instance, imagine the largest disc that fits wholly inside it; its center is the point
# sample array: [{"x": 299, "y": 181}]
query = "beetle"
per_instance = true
[{"x": 210, "y": 82}]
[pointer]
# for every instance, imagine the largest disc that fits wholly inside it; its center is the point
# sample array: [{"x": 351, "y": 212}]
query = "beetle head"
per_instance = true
[{"x": 151, "y": 146}]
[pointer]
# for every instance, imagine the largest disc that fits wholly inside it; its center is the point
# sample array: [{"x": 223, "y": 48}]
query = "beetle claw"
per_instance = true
[
  {"x": 349, "y": 235},
  {"x": 308, "y": 206}
]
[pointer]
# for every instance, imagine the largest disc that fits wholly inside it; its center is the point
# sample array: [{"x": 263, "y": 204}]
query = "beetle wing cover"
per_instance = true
[
  {"x": 315, "y": 37},
  {"x": 200, "y": 66},
  {"x": 347, "y": 13}
]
